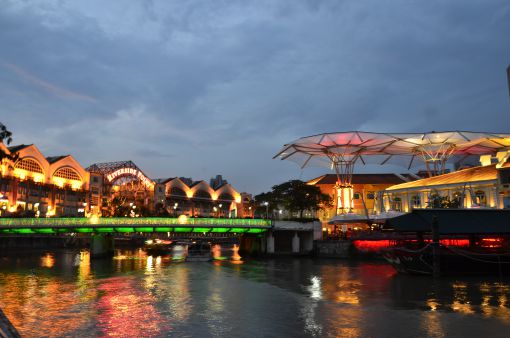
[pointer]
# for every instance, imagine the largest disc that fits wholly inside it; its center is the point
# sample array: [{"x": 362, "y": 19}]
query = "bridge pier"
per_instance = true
[
  {"x": 102, "y": 245},
  {"x": 295, "y": 243},
  {"x": 270, "y": 243}
]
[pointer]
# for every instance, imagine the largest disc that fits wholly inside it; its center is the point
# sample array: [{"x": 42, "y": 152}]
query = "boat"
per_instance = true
[
  {"x": 470, "y": 242},
  {"x": 199, "y": 251},
  {"x": 158, "y": 247}
]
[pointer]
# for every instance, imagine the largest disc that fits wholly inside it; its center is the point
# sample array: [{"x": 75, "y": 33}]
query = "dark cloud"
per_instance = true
[{"x": 202, "y": 87}]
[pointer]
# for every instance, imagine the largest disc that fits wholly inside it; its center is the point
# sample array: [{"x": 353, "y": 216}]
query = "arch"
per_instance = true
[
  {"x": 67, "y": 173},
  {"x": 205, "y": 188},
  {"x": 227, "y": 189},
  {"x": 397, "y": 204},
  {"x": 29, "y": 164},
  {"x": 177, "y": 183},
  {"x": 202, "y": 194},
  {"x": 176, "y": 192},
  {"x": 416, "y": 201},
  {"x": 226, "y": 196},
  {"x": 480, "y": 198}
]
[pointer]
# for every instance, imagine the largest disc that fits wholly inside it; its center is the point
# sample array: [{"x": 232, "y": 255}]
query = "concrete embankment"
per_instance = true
[{"x": 333, "y": 249}]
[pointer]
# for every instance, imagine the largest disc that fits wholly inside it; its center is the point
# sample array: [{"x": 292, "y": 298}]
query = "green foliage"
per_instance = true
[
  {"x": 294, "y": 196},
  {"x": 443, "y": 202},
  {"x": 6, "y": 138}
]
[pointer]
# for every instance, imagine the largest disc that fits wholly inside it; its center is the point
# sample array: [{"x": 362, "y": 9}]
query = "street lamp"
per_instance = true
[{"x": 267, "y": 209}]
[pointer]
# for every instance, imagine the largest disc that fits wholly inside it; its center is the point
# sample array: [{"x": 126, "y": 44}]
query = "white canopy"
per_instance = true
[{"x": 342, "y": 150}]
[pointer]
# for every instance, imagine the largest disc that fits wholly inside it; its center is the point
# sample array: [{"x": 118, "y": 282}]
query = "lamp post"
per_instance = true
[{"x": 267, "y": 209}]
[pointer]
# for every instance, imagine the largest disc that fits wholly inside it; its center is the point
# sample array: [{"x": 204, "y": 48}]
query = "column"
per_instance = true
[
  {"x": 101, "y": 245},
  {"x": 295, "y": 243},
  {"x": 270, "y": 243}
]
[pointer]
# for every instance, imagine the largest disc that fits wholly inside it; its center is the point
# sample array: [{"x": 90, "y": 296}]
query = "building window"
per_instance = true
[
  {"x": 397, "y": 204},
  {"x": 29, "y": 165},
  {"x": 94, "y": 179},
  {"x": 504, "y": 176},
  {"x": 370, "y": 195},
  {"x": 416, "y": 201},
  {"x": 67, "y": 173},
  {"x": 480, "y": 198},
  {"x": 356, "y": 196}
]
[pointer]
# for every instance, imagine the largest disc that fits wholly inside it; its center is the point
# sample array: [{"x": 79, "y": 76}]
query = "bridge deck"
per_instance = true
[{"x": 129, "y": 225}]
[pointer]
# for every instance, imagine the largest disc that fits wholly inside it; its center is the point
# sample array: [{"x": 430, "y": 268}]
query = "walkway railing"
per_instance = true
[{"x": 128, "y": 225}]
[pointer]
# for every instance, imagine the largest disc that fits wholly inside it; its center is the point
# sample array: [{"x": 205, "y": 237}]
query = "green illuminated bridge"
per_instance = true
[{"x": 129, "y": 225}]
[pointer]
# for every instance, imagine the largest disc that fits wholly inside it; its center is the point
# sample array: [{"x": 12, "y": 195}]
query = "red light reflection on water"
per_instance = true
[{"x": 126, "y": 312}]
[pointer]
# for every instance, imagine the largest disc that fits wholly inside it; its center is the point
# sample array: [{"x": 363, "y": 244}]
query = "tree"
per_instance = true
[
  {"x": 6, "y": 139},
  {"x": 443, "y": 202},
  {"x": 295, "y": 196}
]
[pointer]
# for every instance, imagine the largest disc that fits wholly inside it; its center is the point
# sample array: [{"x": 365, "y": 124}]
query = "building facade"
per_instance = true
[
  {"x": 361, "y": 198},
  {"x": 40, "y": 186},
  {"x": 478, "y": 187},
  {"x": 199, "y": 199}
]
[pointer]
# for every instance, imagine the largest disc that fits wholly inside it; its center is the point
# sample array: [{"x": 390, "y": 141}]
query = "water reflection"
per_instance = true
[
  {"x": 122, "y": 307},
  {"x": 68, "y": 294}
]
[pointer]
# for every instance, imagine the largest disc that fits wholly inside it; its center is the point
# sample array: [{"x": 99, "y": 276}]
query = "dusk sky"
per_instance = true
[{"x": 199, "y": 88}]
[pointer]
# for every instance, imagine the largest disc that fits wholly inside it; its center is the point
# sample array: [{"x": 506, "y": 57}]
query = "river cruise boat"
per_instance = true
[{"x": 471, "y": 242}]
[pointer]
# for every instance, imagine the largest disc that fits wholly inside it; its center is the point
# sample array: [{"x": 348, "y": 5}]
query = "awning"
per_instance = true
[{"x": 453, "y": 221}]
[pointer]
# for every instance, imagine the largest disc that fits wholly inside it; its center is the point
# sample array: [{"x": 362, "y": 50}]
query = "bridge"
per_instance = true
[
  {"x": 98, "y": 225},
  {"x": 265, "y": 235}
]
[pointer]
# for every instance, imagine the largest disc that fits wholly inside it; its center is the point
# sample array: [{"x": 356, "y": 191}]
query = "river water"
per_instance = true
[{"x": 65, "y": 294}]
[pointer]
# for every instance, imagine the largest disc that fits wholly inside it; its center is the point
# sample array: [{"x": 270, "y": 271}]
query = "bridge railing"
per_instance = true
[{"x": 119, "y": 221}]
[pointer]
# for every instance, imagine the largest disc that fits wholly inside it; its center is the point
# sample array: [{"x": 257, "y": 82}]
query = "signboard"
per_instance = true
[{"x": 130, "y": 171}]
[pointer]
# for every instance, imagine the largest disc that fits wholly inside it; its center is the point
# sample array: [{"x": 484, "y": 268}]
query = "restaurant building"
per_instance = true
[
  {"x": 361, "y": 197},
  {"x": 485, "y": 186}
]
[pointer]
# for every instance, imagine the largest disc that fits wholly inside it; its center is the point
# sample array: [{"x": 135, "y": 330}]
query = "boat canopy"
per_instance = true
[{"x": 453, "y": 221}]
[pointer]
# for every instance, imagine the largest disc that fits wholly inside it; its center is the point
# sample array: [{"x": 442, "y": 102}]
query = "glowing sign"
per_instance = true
[{"x": 130, "y": 171}]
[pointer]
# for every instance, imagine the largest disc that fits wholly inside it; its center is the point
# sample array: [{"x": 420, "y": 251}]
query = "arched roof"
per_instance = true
[
  {"x": 67, "y": 161},
  {"x": 115, "y": 170},
  {"x": 228, "y": 189},
  {"x": 203, "y": 186},
  {"x": 178, "y": 183},
  {"x": 31, "y": 152}
]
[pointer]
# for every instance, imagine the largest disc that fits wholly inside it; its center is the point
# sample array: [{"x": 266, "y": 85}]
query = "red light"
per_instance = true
[
  {"x": 371, "y": 246},
  {"x": 455, "y": 242}
]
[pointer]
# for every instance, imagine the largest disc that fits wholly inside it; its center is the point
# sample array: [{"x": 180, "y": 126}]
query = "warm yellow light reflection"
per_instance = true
[{"x": 47, "y": 261}]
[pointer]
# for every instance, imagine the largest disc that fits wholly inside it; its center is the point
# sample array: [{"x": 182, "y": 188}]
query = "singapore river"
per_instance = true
[{"x": 65, "y": 294}]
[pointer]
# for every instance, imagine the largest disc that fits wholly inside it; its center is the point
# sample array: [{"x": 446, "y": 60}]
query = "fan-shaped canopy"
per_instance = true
[{"x": 347, "y": 148}]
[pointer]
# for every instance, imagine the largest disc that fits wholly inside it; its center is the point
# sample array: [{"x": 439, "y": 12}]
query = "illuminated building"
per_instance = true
[
  {"x": 360, "y": 196},
  {"x": 41, "y": 186},
  {"x": 486, "y": 186},
  {"x": 120, "y": 189},
  {"x": 123, "y": 189},
  {"x": 198, "y": 199}
]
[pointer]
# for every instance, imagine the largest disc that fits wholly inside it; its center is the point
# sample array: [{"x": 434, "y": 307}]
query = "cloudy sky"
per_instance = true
[{"x": 199, "y": 88}]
